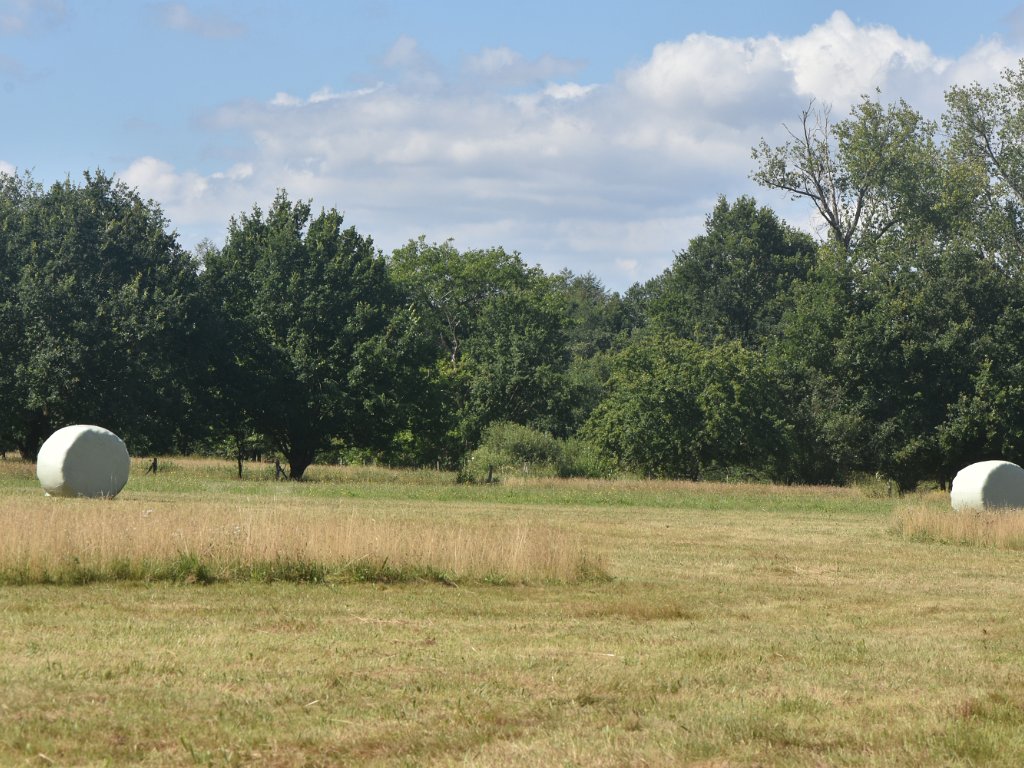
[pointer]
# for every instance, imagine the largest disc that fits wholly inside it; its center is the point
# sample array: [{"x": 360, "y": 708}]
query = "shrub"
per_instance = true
[
  {"x": 508, "y": 449},
  {"x": 581, "y": 458}
]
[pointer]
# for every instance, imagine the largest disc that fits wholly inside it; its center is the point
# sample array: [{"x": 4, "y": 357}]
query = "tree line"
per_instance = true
[{"x": 893, "y": 344}]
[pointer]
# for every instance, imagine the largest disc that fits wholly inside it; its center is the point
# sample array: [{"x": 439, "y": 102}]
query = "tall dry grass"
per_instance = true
[
  {"x": 993, "y": 528},
  {"x": 79, "y": 540}
]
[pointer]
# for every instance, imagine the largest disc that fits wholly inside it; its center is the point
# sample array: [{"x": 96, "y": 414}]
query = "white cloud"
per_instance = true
[
  {"x": 611, "y": 177},
  {"x": 237, "y": 172},
  {"x": 7, "y": 168},
  {"x": 983, "y": 63},
  {"x": 838, "y": 61},
  {"x": 628, "y": 266},
  {"x": 739, "y": 81},
  {"x": 159, "y": 180},
  {"x": 282, "y": 99},
  {"x": 710, "y": 71},
  {"x": 324, "y": 94},
  {"x": 568, "y": 90},
  {"x": 404, "y": 53},
  {"x": 413, "y": 68},
  {"x": 179, "y": 17},
  {"x": 505, "y": 66},
  {"x": 490, "y": 61}
]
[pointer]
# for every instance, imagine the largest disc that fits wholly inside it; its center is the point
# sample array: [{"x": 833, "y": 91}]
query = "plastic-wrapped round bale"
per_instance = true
[
  {"x": 83, "y": 460},
  {"x": 988, "y": 484}
]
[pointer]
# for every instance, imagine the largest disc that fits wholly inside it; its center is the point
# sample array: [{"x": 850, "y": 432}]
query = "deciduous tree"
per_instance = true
[
  {"x": 107, "y": 310},
  {"x": 320, "y": 339},
  {"x": 733, "y": 282},
  {"x": 676, "y": 408}
]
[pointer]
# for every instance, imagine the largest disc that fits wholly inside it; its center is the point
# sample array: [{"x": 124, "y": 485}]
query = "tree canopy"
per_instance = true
[
  {"x": 891, "y": 345},
  {"x": 104, "y": 305},
  {"x": 316, "y": 326}
]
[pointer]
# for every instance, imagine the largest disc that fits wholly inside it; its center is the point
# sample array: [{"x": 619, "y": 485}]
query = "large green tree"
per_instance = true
[
  {"x": 866, "y": 175},
  {"x": 887, "y": 352},
  {"x": 893, "y": 326},
  {"x": 321, "y": 347},
  {"x": 733, "y": 282},
  {"x": 16, "y": 193},
  {"x": 105, "y": 308},
  {"x": 449, "y": 288},
  {"x": 517, "y": 361},
  {"x": 595, "y": 323},
  {"x": 985, "y": 125},
  {"x": 499, "y": 333},
  {"x": 676, "y": 408}
]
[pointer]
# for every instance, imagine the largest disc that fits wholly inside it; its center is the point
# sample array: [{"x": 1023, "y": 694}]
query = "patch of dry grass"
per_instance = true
[
  {"x": 934, "y": 520},
  {"x": 79, "y": 540}
]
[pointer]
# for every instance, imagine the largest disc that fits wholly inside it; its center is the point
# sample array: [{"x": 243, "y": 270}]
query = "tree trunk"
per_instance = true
[
  {"x": 239, "y": 453},
  {"x": 37, "y": 429},
  {"x": 298, "y": 460}
]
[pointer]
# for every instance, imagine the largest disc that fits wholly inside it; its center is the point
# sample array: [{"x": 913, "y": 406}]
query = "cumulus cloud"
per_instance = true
[
  {"x": 611, "y": 177},
  {"x": 405, "y": 53},
  {"x": 507, "y": 67},
  {"x": 568, "y": 90},
  {"x": 160, "y": 180},
  {"x": 838, "y": 61},
  {"x": 835, "y": 62},
  {"x": 181, "y": 18},
  {"x": 7, "y": 168},
  {"x": 411, "y": 66}
]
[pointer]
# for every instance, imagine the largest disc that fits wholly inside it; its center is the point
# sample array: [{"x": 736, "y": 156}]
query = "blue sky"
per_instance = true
[{"x": 590, "y": 136}]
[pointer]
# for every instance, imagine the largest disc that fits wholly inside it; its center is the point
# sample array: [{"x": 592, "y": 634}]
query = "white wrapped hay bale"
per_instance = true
[
  {"x": 988, "y": 484},
  {"x": 83, "y": 460}
]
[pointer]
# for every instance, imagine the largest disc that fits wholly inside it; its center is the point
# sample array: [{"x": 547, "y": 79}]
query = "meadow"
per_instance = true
[{"x": 382, "y": 617}]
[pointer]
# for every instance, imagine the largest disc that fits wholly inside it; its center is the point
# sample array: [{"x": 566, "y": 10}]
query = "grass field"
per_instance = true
[{"x": 715, "y": 626}]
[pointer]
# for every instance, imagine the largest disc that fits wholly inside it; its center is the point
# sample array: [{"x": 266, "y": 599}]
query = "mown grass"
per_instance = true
[{"x": 745, "y": 625}]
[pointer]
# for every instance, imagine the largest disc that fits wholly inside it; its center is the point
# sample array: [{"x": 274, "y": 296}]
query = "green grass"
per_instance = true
[{"x": 743, "y": 625}]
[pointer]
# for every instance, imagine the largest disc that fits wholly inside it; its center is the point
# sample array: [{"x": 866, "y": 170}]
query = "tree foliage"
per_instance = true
[
  {"x": 864, "y": 175},
  {"x": 104, "y": 303},
  {"x": 733, "y": 282},
  {"x": 676, "y": 408},
  {"x": 321, "y": 344},
  {"x": 896, "y": 324},
  {"x": 450, "y": 288},
  {"x": 517, "y": 362},
  {"x": 986, "y": 129}
]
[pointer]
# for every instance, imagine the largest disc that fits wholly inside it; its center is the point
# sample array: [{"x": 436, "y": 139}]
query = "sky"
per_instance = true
[{"x": 594, "y": 137}]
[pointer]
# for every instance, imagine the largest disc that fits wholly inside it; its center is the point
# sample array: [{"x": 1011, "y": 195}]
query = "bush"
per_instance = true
[
  {"x": 514, "y": 450},
  {"x": 522, "y": 444},
  {"x": 582, "y": 458}
]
